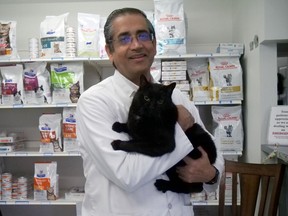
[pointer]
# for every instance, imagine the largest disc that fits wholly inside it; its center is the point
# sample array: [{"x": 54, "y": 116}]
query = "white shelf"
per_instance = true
[
  {"x": 197, "y": 103},
  {"x": 30, "y": 201},
  {"x": 103, "y": 62},
  {"x": 37, "y": 105},
  {"x": 35, "y": 202},
  {"x": 217, "y": 102},
  {"x": 232, "y": 153},
  {"x": 197, "y": 55},
  {"x": 210, "y": 202},
  {"x": 34, "y": 152},
  {"x": 204, "y": 202},
  {"x": 106, "y": 62}
]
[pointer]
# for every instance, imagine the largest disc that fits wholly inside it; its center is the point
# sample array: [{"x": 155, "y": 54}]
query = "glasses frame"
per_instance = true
[{"x": 129, "y": 38}]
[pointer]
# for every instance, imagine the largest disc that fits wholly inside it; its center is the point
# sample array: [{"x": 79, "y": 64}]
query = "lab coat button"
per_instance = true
[{"x": 169, "y": 205}]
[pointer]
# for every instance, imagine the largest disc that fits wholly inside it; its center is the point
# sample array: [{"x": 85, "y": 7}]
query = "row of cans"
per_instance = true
[
  {"x": 70, "y": 42},
  {"x": 13, "y": 188}
]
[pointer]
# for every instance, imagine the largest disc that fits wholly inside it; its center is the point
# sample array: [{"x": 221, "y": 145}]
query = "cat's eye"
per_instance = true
[
  {"x": 160, "y": 101},
  {"x": 146, "y": 98}
]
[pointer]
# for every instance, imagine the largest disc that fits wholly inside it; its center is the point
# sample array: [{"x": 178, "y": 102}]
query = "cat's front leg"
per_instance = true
[
  {"x": 116, "y": 144},
  {"x": 162, "y": 185},
  {"x": 120, "y": 127},
  {"x": 178, "y": 186}
]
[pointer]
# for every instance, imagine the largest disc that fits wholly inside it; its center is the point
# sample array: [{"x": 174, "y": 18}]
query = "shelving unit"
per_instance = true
[{"x": 24, "y": 159}]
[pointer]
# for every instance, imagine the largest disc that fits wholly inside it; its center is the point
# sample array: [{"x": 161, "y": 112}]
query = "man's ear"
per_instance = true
[
  {"x": 108, "y": 51},
  {"x": 155, "y": 46}
]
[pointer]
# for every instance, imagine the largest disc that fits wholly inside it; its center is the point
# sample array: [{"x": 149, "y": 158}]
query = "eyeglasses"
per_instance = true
[{"x": 141, "y": 37}]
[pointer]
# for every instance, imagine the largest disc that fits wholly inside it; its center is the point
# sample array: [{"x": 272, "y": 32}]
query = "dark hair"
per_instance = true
[{"x": 108, "y": 29}]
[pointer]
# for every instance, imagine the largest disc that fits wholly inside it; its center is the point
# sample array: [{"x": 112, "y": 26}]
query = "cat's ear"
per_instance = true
[
  {"x": 143, "y": 80},
  {"x": 171, "y": 87}
]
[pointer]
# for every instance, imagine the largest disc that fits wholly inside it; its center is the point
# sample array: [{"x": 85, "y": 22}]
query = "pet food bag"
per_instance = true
[
  {"x": 70, "y": 142},
  {"x": 52, "y": 36},
  {"x": 170, "y": 27},
  {"x": 66, "y": 82},
  {"x": 50, "y": 131},
  {"x": 12, "y": 85},
  {"x": 101, "y": 42},
  {"x": 226, "y": 78},
  {"x": 36, "y": 80},
  {"x": 228, "y": 132},
  {"x": 88, "y": 34},
  {"x": 46, "y": 181},
  {"x": 8, "y": 48},
  {"x": 199, "y": 75}
]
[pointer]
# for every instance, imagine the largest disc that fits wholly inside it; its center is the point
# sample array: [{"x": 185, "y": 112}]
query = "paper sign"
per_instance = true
[{"x": 278, "y": 127}]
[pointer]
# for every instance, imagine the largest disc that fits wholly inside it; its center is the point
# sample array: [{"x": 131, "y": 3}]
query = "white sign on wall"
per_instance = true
[{"x": 278, "y": 127}]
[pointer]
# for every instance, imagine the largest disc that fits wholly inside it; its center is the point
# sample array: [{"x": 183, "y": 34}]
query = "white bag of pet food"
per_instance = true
[
  {"x": 50, "y": 131},
  {"x": 199, "y": 76},
  {"x": 228, "y": 132},
  {"x": 12, "y": 85},
  {"x": 226, "y": 78},
  {"x": 88, "y": 34},
  {"x": 8, "y": 49},
  {"x": 70, "y": 142},
  {"x": 170, "y": 27},
  {"x": 36, "y": 81},
  {"x": 52, "y": 36},
  {"x": 102, "y": 42},
  {"x": 66, "y": 82},
  {"x": 46, "y": 181}
]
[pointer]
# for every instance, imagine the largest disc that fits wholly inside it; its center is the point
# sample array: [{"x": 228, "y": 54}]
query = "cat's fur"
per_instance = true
[
  {"x": 75, "y": 92},
  {"x": 151, "y": 125}
]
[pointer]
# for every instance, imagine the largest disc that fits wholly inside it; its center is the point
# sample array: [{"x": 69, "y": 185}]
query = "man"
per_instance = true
[{"x": 121, "y": 183}]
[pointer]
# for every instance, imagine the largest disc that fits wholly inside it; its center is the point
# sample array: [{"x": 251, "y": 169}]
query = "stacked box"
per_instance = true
[
  {"x": 176, "y": 71},
  {"x": 232, "y": 48}
]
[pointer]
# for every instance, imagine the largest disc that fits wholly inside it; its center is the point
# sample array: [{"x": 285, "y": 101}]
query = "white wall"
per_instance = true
[
  {"x": 247, "y": 21},
  {"x": 267, "y": 20},
  {"x": 276, "y": 16}
]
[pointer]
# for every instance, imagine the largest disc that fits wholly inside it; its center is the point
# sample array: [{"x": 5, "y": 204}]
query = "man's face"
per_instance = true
[{"x": 135, "y": 57}]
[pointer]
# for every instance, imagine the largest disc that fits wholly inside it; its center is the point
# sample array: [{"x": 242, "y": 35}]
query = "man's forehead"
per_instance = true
[{"x": 126, "y": 24}]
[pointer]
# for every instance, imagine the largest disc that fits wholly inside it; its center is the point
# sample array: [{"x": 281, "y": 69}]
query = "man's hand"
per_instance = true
[
  {"x": 199, "y": 170},
  {"x": 185, "y": 119}
]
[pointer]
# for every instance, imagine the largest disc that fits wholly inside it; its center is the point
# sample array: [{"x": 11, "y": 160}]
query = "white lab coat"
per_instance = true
[{"x": 120, "y": 183}]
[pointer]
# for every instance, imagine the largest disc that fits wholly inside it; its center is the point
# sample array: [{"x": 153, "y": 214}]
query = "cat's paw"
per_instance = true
[
  {"x": 116, "y": 144},
  {"x": 117, "y": 127},
  {"x": 161, "y": 185},
  {"x": 195, "y": 154}
]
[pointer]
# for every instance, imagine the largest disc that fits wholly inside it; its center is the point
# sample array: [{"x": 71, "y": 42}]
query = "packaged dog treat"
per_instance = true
[
  {"x": 46, "y": 181},
  {"x": 50, "y": 131}
]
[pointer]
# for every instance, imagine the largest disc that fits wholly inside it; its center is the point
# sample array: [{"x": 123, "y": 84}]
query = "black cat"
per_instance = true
[{"x": 151, "y": 125}]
